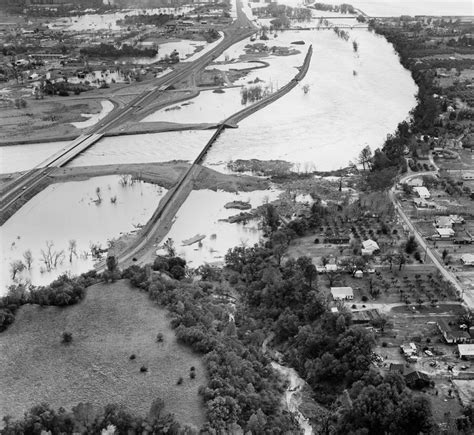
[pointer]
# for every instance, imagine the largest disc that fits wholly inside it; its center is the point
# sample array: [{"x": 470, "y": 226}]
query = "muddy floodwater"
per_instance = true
[
  {"x": 71, "y": 211},
  {"x": 203, "y": 213},
  {"x": 346, "y": 101}
]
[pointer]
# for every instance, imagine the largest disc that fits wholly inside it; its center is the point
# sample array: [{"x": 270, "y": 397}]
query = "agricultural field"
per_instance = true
[{"x": 113, "y": 322}]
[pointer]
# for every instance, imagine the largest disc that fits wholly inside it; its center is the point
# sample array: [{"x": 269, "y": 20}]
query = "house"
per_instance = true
[
  {"x": 397, "y": 368},
  {"x": 369, "y": 247},
  {"x": 407, "y": 349},
  {"x": 466, "y": 351},
  {"x": 417, "y": 380},
  {"x": 415, "y": 182},
  {"x": 331, "y": 267},
  {"x": 358, "y": 274},
  {"x": 365, "y": 316},
  {"x": 443, "y": 222},
  {"x": 452, "y": 336},
  {"x": 467, "y": 259},
  {"x": 422, "y": 192},
  {"x": 445, "y": 233},
  {"x": 342, "y": 293}
]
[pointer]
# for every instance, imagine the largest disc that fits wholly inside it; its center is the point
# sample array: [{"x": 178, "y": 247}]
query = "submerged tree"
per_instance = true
[
  {"x": 16, "y": 267},
  {"x": 28, "y": 257},
  {"x": 72, "y": 249}
]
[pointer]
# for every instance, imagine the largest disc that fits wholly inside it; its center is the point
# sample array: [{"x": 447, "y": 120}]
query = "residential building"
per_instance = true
[
  {"x": 422, "y": 192},
  {"x": 466, "y": 351},
  {"x": 369, "y": 247},
  {"x": 342, "y": 293},
  {"x": 452, "y": 336},
  {"x": 467, "y": 259},
  {"x": 445, "y": 233}
]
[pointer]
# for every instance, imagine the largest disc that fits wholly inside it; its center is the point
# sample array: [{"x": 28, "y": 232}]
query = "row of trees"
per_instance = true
[
  {"x": 61, "y": 292},
  {"x": 87, "y": 419},
  {"x": 111, "y": 52}
]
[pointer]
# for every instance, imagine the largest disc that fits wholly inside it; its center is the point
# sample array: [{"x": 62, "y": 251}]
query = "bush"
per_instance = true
[
  {"x": 192, "y": 375},
  {"x": 365, "y": 298},
  {"x": 384, "y": 344},
  {"x": 143, "y": 369},
  {"x": 159, "y": 338},
  {"x": 132, "y": 356},
  {"x": 180, "y": 381},
  {"x": 66, "y": 338}
]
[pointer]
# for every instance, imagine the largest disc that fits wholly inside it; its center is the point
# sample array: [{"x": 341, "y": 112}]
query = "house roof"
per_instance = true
[
  {"x": 445, "y": 231},
  {"x": 451, "y": 333},
  {"x": 422, "y": 191},
  {"x": 415, "y": 376},
  {"x": 466, "y": 349},
  {"x": 467, "y": 258},
  {"x": 444, "y": 221},
  {"x": 394, "y": 367},
  {"x": 341, "y": 292},
  {"x": 370, "y": 245},
  {"x": 365, "y": 315}
]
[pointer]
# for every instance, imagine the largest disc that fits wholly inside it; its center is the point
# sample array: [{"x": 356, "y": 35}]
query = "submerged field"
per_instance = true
[{"x": 111, "y": 323}]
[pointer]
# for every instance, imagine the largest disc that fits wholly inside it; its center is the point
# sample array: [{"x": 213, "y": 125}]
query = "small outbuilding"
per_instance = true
[
  {"x": 342, "y": 293},
  {"x": 358, "y": 274},
  {"x": 397, "y": 368},
  {"x": 467, "y": 259},
  {"x": 466, "y": 351}
]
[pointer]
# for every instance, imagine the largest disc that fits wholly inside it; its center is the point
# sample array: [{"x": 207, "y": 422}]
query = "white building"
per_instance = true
[
  {"x": 466, "y": 351},
  {"x": 369, "y": 247},
  {"x": 467, "y": 259},
  {"x": 342, "y": 293},
  {"x": 422, "y": 192},
  {"x": 445, "y": 233}
]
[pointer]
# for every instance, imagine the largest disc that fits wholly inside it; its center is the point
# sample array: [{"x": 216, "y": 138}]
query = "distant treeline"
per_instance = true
[
  {"x": 149, "y": 20},
  {"x": 111, "y": 52},
  {"x": 343, "y": 8}
]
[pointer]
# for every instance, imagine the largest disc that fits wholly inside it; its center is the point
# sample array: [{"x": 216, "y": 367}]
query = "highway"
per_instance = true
[
  {"x": 19, "y": 190},
  {"x": 159, "y": 224},
  {"x": 468, "y": 298}
]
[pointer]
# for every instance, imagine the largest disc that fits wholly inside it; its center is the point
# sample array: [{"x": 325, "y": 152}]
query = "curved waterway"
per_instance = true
[
  {"x": 354, "y": 100},
  {"x": 70, "y": 211}
]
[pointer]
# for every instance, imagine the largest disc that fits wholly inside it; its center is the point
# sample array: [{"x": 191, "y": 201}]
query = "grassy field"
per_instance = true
[{"x": 113, "y": 322}]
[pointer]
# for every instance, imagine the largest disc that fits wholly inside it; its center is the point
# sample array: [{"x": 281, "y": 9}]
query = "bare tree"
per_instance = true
[
  {"x": 99, "y": 197},
  {"x": 306, "y": 88},
  {"x": 28, "y": 257},
  {"x": 72, "y": 249},
  {"x": 50, "y": 257},
  {"x": 16, "y": 266}
]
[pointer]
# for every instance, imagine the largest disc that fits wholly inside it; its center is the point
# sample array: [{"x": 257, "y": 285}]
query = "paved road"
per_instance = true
[
  {"x": 30, "y": 183},
  {"x": 467, "y": 296}
]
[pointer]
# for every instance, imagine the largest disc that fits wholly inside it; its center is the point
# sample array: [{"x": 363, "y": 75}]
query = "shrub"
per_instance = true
[
  {"x": 384, "y": 344},
  {"x": 159, "y": 338},
  {"x": 180, "y": 381},
  {"x": 132, "y": 356},
  {"x": 66, "y": 338},
  {"x": 365, "y": 298},
  {"x": 192, "y": 375},
  {"x": 143, "y": 369}
]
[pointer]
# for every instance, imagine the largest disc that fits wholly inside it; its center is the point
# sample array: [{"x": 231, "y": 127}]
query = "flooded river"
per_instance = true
[
  {"x": 70, "y": 211},
  {"x": 354, "y": 100}
]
